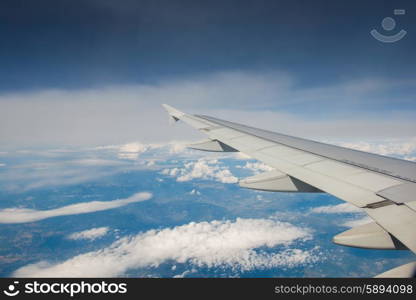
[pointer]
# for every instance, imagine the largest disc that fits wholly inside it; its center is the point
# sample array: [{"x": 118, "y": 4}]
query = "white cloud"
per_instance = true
[
  {"x": 207, "y": 244},
  {"x": 90, "y": 234},
  {"x": 345, "y": 208},
  {"x": 132, "y": 150},
  {"x": 133, "y": 147},
  {"x": 357, "y": 222},
  {"x": 183, "y": 274},
  {"x": 259, "y": 197},
  {"x": 39, "y": 170},
  {"x": 402, "y": 148},
  {"x": 257, "y": 167},
  {"x": 202, "y": 169},
  {"x": 24, "y": 178},
  {"x": 129, "y": 151},
  {"x": 95, "y": 162},
  {"x": 59, "y": 167},
  {"x": 118, "y": 114},
  {"x": 195, "y": 192},
  {"x": 175, "y": 148},
  {"x": 24, "y": 215},
  {"x": 337, "y": 209},
  {"x": 48, "y": 168}
]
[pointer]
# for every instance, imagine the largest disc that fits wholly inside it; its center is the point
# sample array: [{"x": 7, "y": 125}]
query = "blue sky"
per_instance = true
[{"x": 310, "y": 60}]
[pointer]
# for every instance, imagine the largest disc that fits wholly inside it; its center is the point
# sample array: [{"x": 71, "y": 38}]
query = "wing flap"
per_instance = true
[
  {"x": 211, "y": 146},
  {"x": 354, "y": 194},
  {"x": 403, "y": 193},
  {"x": 411, "y": 205},
  {"x": 399, "y": 220},
  {"x": 338, "y": 170},
  {"x": 370, "y": 236},
  {"x": 276, "y": 181}
]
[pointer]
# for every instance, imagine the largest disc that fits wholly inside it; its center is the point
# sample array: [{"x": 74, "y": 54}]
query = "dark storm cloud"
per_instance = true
[{"x": 82, "y": 43}]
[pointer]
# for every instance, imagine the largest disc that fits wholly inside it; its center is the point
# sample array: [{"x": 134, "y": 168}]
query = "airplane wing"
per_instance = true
[{"x": 383, "y": 187}]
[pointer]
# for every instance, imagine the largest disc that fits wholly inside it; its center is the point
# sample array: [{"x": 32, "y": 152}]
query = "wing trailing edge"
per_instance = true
[
  {"x": 276, "y": 181},
  {"x": 211, "y": 146}
]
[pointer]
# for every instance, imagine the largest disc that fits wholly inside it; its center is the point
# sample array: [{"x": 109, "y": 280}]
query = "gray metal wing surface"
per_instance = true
[{"x": 383, "y": 187}]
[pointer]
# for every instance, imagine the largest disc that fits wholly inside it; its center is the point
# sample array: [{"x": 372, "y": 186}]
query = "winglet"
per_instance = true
[{"x": 174, "y": 114}]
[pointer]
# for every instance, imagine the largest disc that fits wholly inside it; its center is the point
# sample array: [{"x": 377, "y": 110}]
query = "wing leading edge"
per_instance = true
[{"x": 383, "y": 186}]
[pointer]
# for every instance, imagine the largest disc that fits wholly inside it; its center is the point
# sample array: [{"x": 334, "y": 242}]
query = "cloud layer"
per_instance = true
[
  {"x": 230, "y": 244},
  {"x": 202, "y": 169},
  {"x": 345, "y": 208},
  {"x": 256, "y": 167},
  {"x": 24, "y": 215},
  {"x": 272, "y": 100},
  {"x": 357, "y": 222},
  {"x": 90, "y": 234},
  {"x": 405, "y": 149},
  {"x": 337, "y": 209}
]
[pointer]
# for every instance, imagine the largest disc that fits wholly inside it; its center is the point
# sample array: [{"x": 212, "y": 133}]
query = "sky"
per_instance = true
[{"x": 95, "y": 72}]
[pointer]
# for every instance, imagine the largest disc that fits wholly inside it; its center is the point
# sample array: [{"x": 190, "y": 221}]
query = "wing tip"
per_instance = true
[
  {"x": 174, "y": 113},
  {"x": 171, "y": 110}
]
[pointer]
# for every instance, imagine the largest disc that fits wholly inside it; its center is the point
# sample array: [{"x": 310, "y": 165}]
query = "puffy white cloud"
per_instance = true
[
  {"x": 90, "y": 234},
  {"x": 24, "y": 215},
  {"x": 133, "y": 147},
  {"x": 175, "y": 148},
  {"x": 231, "y": 244},
  {"x": 2, "y": 165},
  {"x": 202, "y": 169},
  {"x": 132, "y": 150},
  {"x": 337, "y": 209}
]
